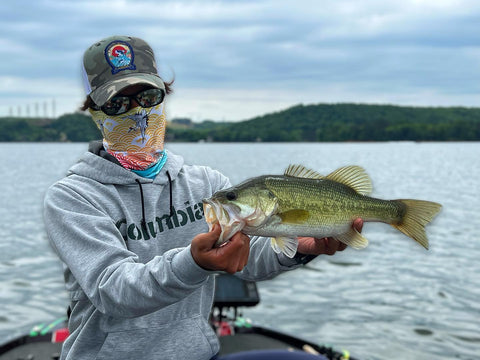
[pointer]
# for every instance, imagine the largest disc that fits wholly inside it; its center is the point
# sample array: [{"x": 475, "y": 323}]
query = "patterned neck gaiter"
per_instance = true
[{"x": 134, "y": 138}]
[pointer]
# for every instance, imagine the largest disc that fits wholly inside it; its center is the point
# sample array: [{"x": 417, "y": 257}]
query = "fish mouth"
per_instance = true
[
  {"x": 225, "y": 216},
  {"x": 210, "y": 209}
]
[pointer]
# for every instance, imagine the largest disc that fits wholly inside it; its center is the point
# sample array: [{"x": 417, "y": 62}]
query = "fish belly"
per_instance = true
[{"x": 295, "y": 230}]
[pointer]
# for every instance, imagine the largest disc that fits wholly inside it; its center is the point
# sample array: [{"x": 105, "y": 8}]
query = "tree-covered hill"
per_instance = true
[
  {"x": 322, "y": 122},
  {"x": 352, "y": 122},
  {"x": 70, "y": 127}
]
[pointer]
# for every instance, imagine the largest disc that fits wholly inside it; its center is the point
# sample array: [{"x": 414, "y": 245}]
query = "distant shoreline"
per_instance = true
[{"x": 300, "y": 123}]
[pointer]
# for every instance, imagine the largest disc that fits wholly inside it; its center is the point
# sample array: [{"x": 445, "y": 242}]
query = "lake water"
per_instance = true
[{"x": 392, "y": 300}]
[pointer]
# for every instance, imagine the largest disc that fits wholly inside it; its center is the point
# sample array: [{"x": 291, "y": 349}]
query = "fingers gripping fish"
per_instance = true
[{"x": 304, "y": 203}]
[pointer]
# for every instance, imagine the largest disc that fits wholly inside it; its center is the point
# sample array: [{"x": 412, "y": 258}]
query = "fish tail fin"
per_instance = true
[
  {"x": 286, "y": 245},
  {"x": 417, "y": 215}
]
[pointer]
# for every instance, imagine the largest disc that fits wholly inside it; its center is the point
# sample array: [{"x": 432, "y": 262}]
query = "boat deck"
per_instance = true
[{"x": 45, "y": 350}]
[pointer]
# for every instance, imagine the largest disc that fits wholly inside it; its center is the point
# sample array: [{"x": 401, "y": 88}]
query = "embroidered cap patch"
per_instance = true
[{"x": 120, "y": 56}]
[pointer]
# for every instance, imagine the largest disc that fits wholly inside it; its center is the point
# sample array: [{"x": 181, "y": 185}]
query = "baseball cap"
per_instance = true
[{"x": 116, "y": 62}]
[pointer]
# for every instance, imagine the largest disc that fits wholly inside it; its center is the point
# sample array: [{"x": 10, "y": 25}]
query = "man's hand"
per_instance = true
[
  {"x": 230, "y": 257},
  {"x": 326, "y": 246}
]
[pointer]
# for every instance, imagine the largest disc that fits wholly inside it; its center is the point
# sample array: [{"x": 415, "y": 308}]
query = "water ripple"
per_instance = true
[{"x": 392, "y": 300}]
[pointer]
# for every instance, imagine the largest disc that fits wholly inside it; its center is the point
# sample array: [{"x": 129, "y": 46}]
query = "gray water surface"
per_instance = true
[{"x": 392, "y": 300}]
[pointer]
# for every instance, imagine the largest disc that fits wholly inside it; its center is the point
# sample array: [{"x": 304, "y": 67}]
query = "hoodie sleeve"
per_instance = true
[
  {"x": 264, "y": 263},
  {"x": 88, "y": 242}
]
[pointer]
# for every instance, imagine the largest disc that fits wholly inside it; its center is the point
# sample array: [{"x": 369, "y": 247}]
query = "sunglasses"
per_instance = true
[{"x": 122, "y": 103}]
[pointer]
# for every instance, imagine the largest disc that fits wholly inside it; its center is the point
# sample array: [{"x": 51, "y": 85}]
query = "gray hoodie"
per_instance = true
[{"x": 124, "y": 240}]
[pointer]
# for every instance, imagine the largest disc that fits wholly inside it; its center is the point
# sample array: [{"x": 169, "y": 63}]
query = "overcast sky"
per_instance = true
[{"x": 233, "y": 60}]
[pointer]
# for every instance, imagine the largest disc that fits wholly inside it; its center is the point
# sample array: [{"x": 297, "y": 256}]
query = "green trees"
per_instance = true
[
  {"x": 353, "y": 122},
  {"x": 322, "y": 122},
  {"x": 76, "y": 128},
  {"x": 70, "y": 127}
]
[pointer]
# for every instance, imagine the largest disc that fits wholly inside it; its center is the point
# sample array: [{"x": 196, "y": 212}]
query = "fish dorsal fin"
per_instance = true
[
  {"x": 354, "y": 177},
  {"x": 301, "y": 171}
]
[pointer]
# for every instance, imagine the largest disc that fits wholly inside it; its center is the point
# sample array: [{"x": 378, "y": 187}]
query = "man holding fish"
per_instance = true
[
  {"x": 128, "y": 221},
  {"x": 233, "y": 256}
]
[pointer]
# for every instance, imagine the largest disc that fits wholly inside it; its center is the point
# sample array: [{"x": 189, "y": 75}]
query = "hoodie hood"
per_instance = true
[{"x": 100, "y": 166}]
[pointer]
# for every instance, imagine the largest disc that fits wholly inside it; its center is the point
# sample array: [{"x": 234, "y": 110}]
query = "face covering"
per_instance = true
[{"x": 134, "y": 138}]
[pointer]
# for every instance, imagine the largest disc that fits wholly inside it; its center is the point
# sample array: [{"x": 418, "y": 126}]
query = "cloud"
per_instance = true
[{"x": 226, "y": 55}]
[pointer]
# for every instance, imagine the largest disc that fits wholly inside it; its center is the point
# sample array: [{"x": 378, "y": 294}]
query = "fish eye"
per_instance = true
[{"x": 231, "y": 195}]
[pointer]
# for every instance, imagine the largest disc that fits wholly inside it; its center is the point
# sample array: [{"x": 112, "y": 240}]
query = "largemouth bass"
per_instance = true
[{"x": 304, "y": 203}]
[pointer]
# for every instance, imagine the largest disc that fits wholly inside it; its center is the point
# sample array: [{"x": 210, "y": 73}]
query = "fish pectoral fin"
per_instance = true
[
  {"x": 296, "y": 216},
  {"x": 286, "y": 245},
  {"x": 353, "y": 176},
  {"x": 353, "y": 239}
]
